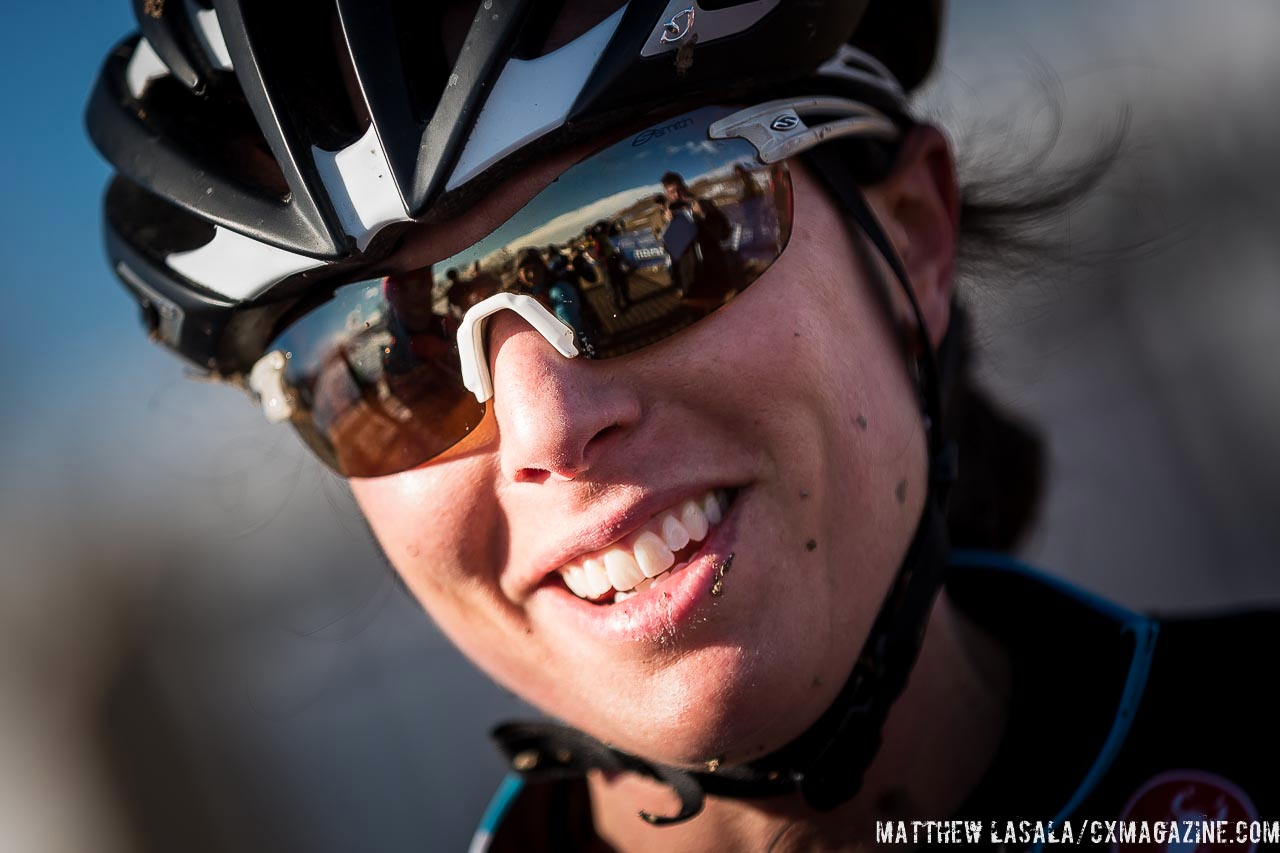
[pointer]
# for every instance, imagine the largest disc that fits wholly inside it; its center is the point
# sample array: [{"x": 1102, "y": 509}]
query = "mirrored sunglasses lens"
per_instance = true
[
  {"x": 626, "y": 248},
  {"x": 376, "y": 380},
  {"x": 639, "y": 241}
]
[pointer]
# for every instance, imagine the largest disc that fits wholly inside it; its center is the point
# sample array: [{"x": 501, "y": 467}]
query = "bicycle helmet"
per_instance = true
[{"x": 261, "y": 148}]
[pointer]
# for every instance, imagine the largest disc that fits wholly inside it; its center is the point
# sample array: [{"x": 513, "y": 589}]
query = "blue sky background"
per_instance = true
[
  {"x": 52, "y": 193},
  {"x": 67, "y": 329}
]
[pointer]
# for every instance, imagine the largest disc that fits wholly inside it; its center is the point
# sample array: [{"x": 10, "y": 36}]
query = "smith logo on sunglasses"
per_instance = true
[{"x": 654, "y": 132}]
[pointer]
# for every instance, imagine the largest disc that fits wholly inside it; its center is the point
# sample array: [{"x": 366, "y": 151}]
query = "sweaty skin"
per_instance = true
[{"x": 796, "y": 395}]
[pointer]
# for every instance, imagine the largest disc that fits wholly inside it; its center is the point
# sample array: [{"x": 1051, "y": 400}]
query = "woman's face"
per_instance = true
[{"x": 794, "y": 399}]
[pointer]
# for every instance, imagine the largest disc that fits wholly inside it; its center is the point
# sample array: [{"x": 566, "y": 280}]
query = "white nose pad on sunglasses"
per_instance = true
[{"x": 475, "y": 362}]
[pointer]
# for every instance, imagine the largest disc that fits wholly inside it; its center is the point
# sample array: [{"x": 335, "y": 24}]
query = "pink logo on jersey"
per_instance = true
[{"x": 1188, "y": 796}]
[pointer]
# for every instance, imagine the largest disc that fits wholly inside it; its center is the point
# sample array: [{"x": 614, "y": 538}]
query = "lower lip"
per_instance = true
[{"x": 651, "y": 615}]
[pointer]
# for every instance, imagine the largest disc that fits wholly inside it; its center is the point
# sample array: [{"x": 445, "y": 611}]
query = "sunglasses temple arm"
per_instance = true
[
  {"x": 471, "y": 343},
  {"x": 778, "y": 130}
]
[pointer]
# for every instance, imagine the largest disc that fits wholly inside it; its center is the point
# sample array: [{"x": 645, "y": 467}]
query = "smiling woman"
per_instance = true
[{"x": 642, "y": 368}]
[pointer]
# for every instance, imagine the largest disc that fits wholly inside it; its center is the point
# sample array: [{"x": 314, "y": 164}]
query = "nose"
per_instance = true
[{"x": 557, "y": 417}]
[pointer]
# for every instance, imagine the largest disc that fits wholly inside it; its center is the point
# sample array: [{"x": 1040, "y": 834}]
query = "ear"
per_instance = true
[{"x": 918, "y": 206}]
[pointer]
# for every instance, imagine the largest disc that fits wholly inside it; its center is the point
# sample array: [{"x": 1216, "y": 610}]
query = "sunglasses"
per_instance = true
[{"x": 630, "y": 246}]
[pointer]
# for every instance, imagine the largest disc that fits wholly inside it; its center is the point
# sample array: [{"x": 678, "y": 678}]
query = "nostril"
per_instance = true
[
  {"x": 567, "y": 470},
  {"x": 554, "y": 474},
  {"x": 537, "y": 476}
]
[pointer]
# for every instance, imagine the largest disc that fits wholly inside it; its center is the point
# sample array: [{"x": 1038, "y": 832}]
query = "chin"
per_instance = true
[{"x": 730, "y": 703}]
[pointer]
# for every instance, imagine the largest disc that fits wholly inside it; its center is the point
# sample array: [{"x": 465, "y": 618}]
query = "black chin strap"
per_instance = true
[{"x": 826, "y": 763}]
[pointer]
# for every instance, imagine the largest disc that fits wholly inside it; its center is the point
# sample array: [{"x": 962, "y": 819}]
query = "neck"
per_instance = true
[{"x": 939, "y": 740}]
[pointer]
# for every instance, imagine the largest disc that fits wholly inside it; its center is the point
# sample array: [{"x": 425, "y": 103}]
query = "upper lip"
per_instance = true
[{"x": 605, "y": 527}]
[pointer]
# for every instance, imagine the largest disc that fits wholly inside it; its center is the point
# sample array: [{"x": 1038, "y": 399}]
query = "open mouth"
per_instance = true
[{"x": 649, "y": 556}]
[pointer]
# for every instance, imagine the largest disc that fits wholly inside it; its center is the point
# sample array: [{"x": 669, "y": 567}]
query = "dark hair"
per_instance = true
[
  {"x": 1002, "y": 456},
  {"x": 530, "y": 258},
  {"x": 674, "y": 179},
  {"x": 1009, "y": 225}
]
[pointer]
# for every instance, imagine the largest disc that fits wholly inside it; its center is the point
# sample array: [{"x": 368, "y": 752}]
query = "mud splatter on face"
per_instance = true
[
  {"x": 901, "y": 491},
  {"x": 717, "y": 588},
  {"x": 811, "y": 545},
  {"x": 862, "y": 422}
]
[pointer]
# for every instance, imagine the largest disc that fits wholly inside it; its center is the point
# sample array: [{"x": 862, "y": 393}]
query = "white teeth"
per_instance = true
[
  {"x": 576, "y": 580},
  {"x": 640, "y": 587},
  {"x": 711, "y": 506},
  {"x": 652, "y": 554},
  {"x": 622, "y": 568},
  {"x": 673, "y": 532},
  {"x": 694, "y": 520},
  {"x": 677, "y": 567},
  {"x": 597, "y": 581},
  {"x": 648, "y": 560}
]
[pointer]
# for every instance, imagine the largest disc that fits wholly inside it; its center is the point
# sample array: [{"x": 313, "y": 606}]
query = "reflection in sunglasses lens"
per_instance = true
[{"x": 626, "y": 248}]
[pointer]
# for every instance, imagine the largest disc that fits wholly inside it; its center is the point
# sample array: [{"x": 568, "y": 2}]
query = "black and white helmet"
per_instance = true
[{"x": 264, "y": 148}]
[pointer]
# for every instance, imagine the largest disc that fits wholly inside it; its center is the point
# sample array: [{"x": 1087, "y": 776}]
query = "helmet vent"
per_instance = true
[
  {"x": 298, "y": 46},
  {"x": 422, "y": 54},
  {"x": 217, "y": 130},
  {"x": 152, "y": 225}
]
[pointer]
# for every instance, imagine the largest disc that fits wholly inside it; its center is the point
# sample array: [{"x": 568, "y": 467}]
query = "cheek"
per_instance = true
[
  {"x": 440, "y": 529},
  {"x": 829, "y": 398},
  {"x": 867, "y": 431},
  {"x": 814, "y": 361}
]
